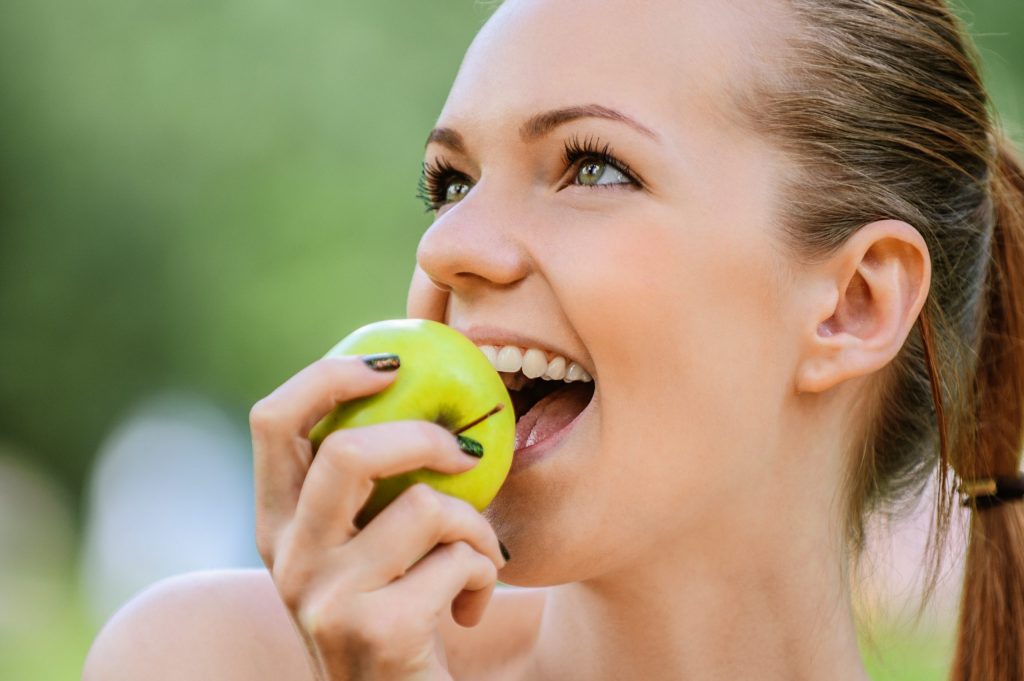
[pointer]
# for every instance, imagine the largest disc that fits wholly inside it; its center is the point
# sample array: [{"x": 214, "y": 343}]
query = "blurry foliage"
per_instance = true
[
  {"x": 202, "y": 194},
  {"x": 207, "y": 195}
]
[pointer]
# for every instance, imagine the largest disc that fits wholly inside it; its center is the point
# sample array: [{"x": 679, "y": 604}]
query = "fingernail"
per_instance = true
[
  {"x": 470, "y": 446},
  {"x": 383, "y": 361},
  {"x": 504, "y": 551}
]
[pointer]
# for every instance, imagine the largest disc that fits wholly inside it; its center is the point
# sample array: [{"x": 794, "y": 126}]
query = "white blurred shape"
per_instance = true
[
  {"x": 893, "y": 569},
  {"x": 36, "y": 549},
  {"x": 171, "y": 492}
]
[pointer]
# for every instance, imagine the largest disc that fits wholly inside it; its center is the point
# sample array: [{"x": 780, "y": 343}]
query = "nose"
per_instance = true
[{"x": 470, "y": 249}]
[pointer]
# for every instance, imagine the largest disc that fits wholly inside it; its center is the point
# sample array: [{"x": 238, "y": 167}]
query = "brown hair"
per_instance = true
[{"x": 881, "y": 108}]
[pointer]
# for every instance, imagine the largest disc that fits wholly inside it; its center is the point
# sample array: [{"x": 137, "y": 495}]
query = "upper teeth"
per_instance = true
[{"x": 535, "y": 364}]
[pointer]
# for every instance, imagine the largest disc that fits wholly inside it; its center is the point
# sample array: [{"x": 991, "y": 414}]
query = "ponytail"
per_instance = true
[
  {"x": 990, "y": 642},
  {"x": 882, "y": 109}
]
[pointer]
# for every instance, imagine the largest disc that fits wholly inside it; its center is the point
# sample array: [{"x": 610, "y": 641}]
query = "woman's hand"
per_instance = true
[{"x": 364, "y": 602}]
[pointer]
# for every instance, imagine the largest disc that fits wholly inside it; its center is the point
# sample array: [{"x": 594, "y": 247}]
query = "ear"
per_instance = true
[{"x": 871, "y": 293}]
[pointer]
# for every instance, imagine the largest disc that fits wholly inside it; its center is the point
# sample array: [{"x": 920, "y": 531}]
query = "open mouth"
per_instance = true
[{"x": 544, "y": 407}]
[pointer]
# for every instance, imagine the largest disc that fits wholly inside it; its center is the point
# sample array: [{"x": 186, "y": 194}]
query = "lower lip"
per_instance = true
[{"x": 527, "y": 456}]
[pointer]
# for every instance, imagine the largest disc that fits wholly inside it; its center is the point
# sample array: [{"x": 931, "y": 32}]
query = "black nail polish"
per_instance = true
[
  {"x": 470, "y": 446},
  {"x": 383, "y": 361},
  {"x": 504, "y": 551}
]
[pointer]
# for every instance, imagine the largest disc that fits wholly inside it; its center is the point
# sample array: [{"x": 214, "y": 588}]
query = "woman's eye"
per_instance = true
[
  {"x": 455, "y": 191},
  {"x": 440, "y": 184},
  {"x": 596, "y": 172}
]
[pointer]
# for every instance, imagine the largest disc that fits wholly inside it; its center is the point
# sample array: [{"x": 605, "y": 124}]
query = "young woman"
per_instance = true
[{"x": 785, "y": 240}]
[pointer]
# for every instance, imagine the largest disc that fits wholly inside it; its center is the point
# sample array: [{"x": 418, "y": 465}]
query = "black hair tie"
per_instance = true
[{"x": 989, "y": 492}]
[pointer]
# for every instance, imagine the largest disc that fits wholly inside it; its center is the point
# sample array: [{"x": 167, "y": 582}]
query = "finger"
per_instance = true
[
  {"x": 411, "y": 525},
  {"x": 427, "y": 299},
  {"x": 469, "y": 607},
  {"x": 280, "y": 423},
  {"x": 341, "y": 477},
  {"x": 305, "y": 398},
  {"x": 433, "y": 583}
]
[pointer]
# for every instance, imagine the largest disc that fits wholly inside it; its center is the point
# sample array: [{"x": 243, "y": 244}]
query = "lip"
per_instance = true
[
  {"x": 527, "y": 456},
  {"x": 497, "y": 336}
]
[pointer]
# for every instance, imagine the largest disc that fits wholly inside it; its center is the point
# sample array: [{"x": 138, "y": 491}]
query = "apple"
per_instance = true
[{"x": 443, "y": 378}]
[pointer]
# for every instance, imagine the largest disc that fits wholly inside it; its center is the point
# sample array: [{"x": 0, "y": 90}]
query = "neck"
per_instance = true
[{"x": 752, "y": 607}]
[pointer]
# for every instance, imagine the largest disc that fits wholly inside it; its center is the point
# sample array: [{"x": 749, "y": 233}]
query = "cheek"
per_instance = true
[{"x": 680, "y": 315}]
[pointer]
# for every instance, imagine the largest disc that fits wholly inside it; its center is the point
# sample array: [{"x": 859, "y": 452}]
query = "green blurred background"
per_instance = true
[{"x": 199, "y": 198}]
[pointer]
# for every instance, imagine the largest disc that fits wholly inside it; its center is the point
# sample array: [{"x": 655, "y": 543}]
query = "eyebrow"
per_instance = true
[{"x": 542, "y": 123}]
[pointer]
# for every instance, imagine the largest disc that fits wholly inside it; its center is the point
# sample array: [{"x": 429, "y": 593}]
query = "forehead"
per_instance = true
[{"x": 667, "y": 63}]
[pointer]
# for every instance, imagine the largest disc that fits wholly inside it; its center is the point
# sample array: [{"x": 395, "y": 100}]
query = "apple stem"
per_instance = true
[{"x": 498, "y": 407}]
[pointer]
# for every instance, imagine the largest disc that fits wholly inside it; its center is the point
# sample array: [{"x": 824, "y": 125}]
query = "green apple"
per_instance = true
[{"x": 443, "y": 378}]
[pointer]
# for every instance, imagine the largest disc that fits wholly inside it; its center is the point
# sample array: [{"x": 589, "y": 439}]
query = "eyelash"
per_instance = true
[{"x": 433, "y": 182}]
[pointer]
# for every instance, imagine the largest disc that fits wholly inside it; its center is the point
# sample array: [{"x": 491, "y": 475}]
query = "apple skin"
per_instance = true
[{"x": 443, "y": 378}]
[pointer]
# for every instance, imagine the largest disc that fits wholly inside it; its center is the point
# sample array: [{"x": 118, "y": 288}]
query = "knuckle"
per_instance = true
[
  {"x": 291, "y": 577},
  {"x": 328, "y": 620},
  {"x": 343, "y": 451},
  {"x": 310, "y": 617},
  {"x": 264, "y": 415},
  {"x": 289, "y": 594},
  {"x": 461, "y": 551},
  {"x": 265, "y": 548},
  {"x": 423, "y": 501}
]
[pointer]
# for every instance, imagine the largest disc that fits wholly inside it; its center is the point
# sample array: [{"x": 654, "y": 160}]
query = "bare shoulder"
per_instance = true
[
  {"x": 224, "y": 624},
  {"x": 231, "y": 624},
  {"x": 499, "y": 647}
]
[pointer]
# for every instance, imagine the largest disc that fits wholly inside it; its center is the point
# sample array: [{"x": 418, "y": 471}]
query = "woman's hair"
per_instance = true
[{"x": 880, "y": 107}]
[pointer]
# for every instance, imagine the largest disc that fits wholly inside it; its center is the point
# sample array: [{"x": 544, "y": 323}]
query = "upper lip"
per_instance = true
[{"x": 497, "y": 336}]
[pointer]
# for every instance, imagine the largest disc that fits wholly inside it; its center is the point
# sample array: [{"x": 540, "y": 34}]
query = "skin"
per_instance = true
[{"x": 691, "y": 526}]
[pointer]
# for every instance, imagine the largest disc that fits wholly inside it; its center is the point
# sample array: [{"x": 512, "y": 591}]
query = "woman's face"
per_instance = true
[{"x": 666, "y": 281}]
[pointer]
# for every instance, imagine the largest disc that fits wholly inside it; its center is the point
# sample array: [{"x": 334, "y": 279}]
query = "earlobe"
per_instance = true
[{"x": 874, "y": 288}]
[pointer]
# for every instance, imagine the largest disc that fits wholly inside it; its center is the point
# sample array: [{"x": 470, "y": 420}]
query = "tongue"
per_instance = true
[{"x": 552, "y": 413}]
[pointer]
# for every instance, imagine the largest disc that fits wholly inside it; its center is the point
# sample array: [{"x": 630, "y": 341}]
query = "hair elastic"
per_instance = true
[{"x": 988, "y": 492}]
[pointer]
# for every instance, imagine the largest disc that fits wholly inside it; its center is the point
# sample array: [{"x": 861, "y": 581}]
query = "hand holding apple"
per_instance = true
[
  {"x": 443, "y": 378},
  {"x": 407, "y": 566}
]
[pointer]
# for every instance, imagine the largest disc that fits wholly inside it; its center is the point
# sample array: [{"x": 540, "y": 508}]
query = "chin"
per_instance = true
[{"x": 542, "y": 534}]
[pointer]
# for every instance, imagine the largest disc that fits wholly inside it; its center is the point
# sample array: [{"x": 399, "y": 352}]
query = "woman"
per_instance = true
[{"x": 787, "y": 245}]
